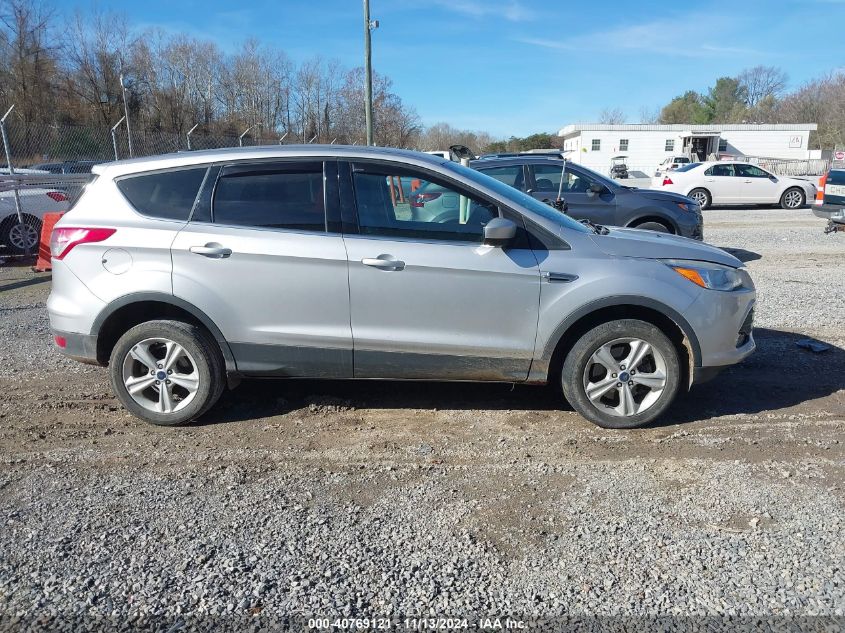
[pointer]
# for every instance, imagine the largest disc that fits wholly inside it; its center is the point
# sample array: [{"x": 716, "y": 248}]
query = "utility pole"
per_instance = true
[
  {"x": 126, "y": 114},
  {"x": 368, "y": 70}
]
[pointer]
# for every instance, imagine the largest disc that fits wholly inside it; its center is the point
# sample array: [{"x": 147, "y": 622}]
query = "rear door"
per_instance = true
[
  {"x": 756, "y": 185},
  {"x": 258, "y": 259},
  {"x": 583, "y": 204},
  {"x": 721, "y": 181},
  {"x": 428, "y": 299}
]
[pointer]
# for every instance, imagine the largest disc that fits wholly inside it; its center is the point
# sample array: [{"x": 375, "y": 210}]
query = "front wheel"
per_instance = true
[
  {"x": 622, "y": 374},
  {"x": 658, "y": 227},
  {"x": 702, "y": 197},
  {"x": 793, "y": 199},
  {"x": 167, "y": 372}
]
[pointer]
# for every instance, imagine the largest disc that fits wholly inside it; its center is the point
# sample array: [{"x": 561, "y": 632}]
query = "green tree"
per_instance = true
[
  {"x": 726, "y": 101},
  {"x": 688, "y": 108}
]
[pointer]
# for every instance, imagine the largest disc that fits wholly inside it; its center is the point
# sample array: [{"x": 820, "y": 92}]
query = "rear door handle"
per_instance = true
[
  {"x": 212, "y": 250},
  {"x": 384, "y": 262}
]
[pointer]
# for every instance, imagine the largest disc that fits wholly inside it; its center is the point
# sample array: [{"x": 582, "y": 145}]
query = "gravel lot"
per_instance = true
[{"x": 393, "y": 500}]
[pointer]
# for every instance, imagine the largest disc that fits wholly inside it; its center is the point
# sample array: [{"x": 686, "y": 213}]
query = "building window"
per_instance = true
[
  {"x": 596, "y": 144},
  {"x": 723, "y": 145},
  {"x": 670, "y": 145},
  {"x": 623, "y": 145}
]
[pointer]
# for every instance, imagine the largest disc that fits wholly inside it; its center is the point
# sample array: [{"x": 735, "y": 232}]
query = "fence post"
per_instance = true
[
  {"x": 114, "y": 138},
  {"x": 282, "y": 137},
  {"x": 9, "y": 161},
  {"x": 188, "y": 135}
]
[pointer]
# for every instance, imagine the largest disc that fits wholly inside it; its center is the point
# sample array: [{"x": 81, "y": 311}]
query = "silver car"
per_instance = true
[{"x": 185, "y": 273}]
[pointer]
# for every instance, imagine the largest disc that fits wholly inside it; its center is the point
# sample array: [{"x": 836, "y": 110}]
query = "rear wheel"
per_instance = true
[
  {"x": 793, "y": 199},
  {"x": 622, "y": 374},
  {"x": 702, "y": 197},
  {"x": 21, "y": 238},
  {"x": 167, "y": 372}
]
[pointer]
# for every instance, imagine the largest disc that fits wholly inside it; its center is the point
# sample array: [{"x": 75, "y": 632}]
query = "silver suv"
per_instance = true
[{"x": 184, "y": 273}]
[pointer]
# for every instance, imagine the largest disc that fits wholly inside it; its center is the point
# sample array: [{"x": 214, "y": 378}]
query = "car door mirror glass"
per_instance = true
[{"x": 499, "y": 232}]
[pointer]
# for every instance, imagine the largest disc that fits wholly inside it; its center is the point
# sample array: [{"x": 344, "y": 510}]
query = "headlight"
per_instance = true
[
  {"x": 712, "y": 276},
  {"x": 692, "y": 207}
]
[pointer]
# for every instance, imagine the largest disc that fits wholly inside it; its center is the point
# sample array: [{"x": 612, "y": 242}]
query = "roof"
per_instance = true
[
  {"x": 200, "y": 157},
  {"x": 572, "y": 129},
  {"x": 519, "y": 158}
]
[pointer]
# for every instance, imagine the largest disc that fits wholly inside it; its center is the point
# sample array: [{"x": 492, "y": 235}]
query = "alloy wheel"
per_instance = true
[
  {"x": 700, "y": 197},
  {"x": 23, "y": 237},
  {"x": 792, "y": 199},
  {"x": 160, "y": 375},
  {"x": 625, "y": 377}
]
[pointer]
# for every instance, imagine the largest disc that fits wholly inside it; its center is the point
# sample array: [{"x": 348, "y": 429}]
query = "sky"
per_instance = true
[{"x": 515, "y": 67}]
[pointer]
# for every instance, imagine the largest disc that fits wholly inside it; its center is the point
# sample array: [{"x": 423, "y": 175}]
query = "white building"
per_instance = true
[{"x": 647, "y": 145}]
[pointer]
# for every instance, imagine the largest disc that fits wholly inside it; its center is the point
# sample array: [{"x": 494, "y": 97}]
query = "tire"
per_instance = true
[
  {"x": 793, "y": 198},
  {"x": 653, "y": 225},
  {"x": 702, "y": 197},
  {"x": 21, "y": 238},
  {"x": 200, "y": 371},
  {"x": 622, "y": 339}
]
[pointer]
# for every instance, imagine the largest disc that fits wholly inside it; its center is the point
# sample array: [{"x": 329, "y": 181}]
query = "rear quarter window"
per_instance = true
[
  {"x": 168, "y": 195},
  {"x": 836, "y": 177}
]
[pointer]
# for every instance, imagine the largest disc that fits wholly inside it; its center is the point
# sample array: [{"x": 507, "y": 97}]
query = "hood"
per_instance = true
[
  {"x": 653, "y": 245},
  {"x": 668, "y": 196}
]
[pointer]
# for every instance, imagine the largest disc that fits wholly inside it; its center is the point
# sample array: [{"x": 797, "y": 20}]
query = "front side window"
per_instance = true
[
  {"x": 670, "y": 145},
  {"x": 432, "y": 210},
  {"x": 168, "y": 195},
  {"x": 750, "y": 171},
  {"x": 280, "y": 196},
  {"x": 720, "y": 170},
  {"x": 623, "y": 145},
  {"x": 510, "y": 175},
  {"x": 547, "y": 178},
  {"x": 596, "y": 144}
]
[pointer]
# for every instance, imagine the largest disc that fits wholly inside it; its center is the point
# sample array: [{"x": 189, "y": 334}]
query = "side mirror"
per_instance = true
[
  {"x": 499, "y": 231},
  {"x": 773, "y": 178}
]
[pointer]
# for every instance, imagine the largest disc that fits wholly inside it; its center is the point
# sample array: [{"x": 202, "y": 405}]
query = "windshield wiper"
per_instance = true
[{"x": 598, "y": 228}]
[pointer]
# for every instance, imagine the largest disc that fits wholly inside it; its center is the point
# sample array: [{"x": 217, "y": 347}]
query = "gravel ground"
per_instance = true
[{"x": 382, "y": 500}]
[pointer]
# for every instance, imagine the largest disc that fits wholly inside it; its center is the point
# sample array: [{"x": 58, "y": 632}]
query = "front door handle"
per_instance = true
[
  {"x": 212, "y": 250},
  {"x": 384, "y": 262}
]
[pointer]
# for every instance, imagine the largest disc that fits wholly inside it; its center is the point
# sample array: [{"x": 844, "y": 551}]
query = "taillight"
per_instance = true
[
  {"x": 61, "y": 341},
  {"x": 667, "y": 181},
  {"x": 58, "y": 196},
  {"x": 820, "y": 190},
  {"x": 64, "y": 239},
  {"x": 419, "y": 199}
]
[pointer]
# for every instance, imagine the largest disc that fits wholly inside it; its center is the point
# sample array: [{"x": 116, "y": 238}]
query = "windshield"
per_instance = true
[
  {"x": 688, "y": 167},
  {"x": 520, "y": 199}
]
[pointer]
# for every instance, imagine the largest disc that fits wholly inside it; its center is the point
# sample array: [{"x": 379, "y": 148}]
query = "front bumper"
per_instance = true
[
  {"x": 694, "y": 228},
  {"x": 723, "y": 323}
]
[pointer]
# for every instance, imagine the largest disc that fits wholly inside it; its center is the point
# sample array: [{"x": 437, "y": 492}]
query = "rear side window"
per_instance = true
[
  {"x": 688, "y": 167},
  {"x": 836, "y": 177},
  {"x": 271, "y": 196},
  {"x": 168, "y": 195}
]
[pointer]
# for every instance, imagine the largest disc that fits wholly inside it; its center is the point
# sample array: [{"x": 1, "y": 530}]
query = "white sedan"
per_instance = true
[
  {"x": 21, "y": 238},
  {"x": 722, "y": 182}
]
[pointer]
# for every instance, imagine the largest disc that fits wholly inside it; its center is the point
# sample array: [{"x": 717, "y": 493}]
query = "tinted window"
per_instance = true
[
  {"x": 688, "y": 167},
  {"x": 510, "y": 175},
  {"x": 168, "y": 195},
  {"x": 278, "y": 197},
  {"x": 720, "y": 170},
  {"x": 574, "y": 180},
  {"x": 547, "y": 177},
  {"x": 434, "y": 210},
  {"x": 836, "y": 177},
  {"x": 750, "y": 171}
]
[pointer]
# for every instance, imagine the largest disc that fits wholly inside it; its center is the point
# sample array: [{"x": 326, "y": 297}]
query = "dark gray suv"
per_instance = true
[{"x": 591, "y": 196}]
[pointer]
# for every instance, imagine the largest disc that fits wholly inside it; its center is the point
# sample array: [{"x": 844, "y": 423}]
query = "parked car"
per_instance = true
[
  {"x": 184, "y": 273},
  {"x": 831, "y": 201},
  {"x": 18, "y": 237},
  {"x": 67, "y": 167},
  {"x": 671, "y": 163},
  {"x": 720, "y": 182},
  {"x": 591, "y": 196}
]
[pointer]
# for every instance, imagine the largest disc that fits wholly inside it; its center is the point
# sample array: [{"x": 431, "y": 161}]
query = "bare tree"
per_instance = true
[
  {"x": 614, "y": 116},
  {"x": 761, "y": 82}
]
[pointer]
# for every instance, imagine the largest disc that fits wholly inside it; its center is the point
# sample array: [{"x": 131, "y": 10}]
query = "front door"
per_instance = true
[
  {"x": 258, "y": 260},
  {"x": 581, "y": 201},
  {"x": 428, "y": 299},
  {"x": 756, "y": 186}
]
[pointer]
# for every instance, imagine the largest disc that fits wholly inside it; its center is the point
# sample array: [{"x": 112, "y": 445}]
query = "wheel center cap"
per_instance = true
[
  {"x": 624, "y": 376},
  {"x": 161, "y": 375}
]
